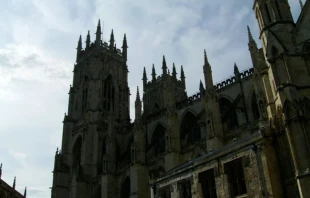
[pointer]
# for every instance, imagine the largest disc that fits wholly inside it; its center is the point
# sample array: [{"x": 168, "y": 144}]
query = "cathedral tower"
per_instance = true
[
  {"x": 98, "y": 108},
  {"x": 286, "y": 80}
]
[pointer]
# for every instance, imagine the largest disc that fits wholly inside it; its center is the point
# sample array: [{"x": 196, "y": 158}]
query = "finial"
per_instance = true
[
  {"x": 250, "y": 34},
  {"x": 153, "y": 73},
  {"x": 174, "y": 72},
  {"x": 25, "y": 192},
  {"x": 88, "y": 40},
  {"x": 206, "y": 58},
  {"x": 182, "y": 72},
  {"x": 201, "y": 88},
  {"x": 138, "y": 94},
  {"x": 98, "y": 33},
  {"x": 112, "y": 36},
  {"x": 125, "y": 42},
  {"x": 57, "y": 151},
  {"x": 0, "y": 170},
  {"x": 14, "y": 183},
  {"x": 301, "y": 4},
  {"x": 144, "y": 74},
  {"x": 79, "y": 47},
  {"x": 164, "y": 67}
]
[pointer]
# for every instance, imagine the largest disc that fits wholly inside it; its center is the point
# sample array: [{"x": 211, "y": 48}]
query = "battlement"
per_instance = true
[
  {"x": 232, "y": 79},
  {"x": 189, "y": 100}
]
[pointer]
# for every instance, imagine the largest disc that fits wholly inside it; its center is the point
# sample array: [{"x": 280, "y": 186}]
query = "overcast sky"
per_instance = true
[{"x": 37, "y": 52}]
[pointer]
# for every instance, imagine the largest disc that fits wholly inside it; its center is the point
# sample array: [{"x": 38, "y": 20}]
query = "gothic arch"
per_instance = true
[
  {"x": 125, "y": 190},
  {"x": 228, "y": 114},
  {"x": 158, "y": 139},
  {"x": 110, "y": 94},
  {"x": 184, "y": 114},
  {"x": 189, "y": 129},
  {"x": 288, "y": 110},
  {"x": 306, "y": 48}
]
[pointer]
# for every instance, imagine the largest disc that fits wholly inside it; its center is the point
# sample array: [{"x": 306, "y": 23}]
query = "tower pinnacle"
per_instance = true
[
  {"x": 98, "y": 33},
  {"x": 164, "y": 67},
  {"x": 112, "y": 40},
  {"x": 79, "y": 49},
  {"x": 206, "y": 58},
  {"x": 153, "y": 74},
  {"x": 174, "y": 72},
  {"x": 88, "y": 40},
  {"x": 125, "y": 46},
  {"x": 25, "y": 192},
  {"x": 138, "y": 95}
]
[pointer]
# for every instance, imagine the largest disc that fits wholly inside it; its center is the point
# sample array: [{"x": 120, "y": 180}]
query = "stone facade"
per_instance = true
[{"x": 248, "y": 136}]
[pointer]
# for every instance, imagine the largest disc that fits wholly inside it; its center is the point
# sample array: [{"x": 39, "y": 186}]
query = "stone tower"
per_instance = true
[
  {"x": 98, "y": 108},
  {"x": 282, "y": 70}
]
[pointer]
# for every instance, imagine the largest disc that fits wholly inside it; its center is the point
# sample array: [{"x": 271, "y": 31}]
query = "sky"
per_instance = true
[{"x": 38, "y": 41}]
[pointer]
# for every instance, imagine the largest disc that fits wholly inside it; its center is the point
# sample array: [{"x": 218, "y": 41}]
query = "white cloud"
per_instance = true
[{"x": 37, "y": 53}]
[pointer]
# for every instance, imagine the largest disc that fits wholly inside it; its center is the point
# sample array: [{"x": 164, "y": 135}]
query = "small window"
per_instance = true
[
  {"x": 185, "y": 189},
  {"x": 236, "y": 180}
]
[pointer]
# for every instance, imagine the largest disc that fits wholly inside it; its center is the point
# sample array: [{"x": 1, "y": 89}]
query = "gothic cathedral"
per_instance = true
[{"x": 248, "y": 136}]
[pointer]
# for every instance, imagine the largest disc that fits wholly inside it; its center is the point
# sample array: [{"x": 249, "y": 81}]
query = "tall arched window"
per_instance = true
[
  {"x": 228, "y": 114},
  {"x": 158, "y": 140},
  {"x": 108, "y": 95},
  {"x": 76, "y": 154},
  {"x": 190, "y": 130}
]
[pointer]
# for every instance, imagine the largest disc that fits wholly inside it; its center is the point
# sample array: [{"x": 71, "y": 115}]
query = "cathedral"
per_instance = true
[{"x": 247, "y": 136}]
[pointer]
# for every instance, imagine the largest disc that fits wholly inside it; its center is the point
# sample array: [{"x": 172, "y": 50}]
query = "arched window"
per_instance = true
[
  {"x": 190, "y": 130},
  {"x": 76, "y": 154},
  {"x": 255, "y": 108},
  {"x": 228, "y": 114},
  {"x": 125, "y": 190},
  {"x": 85, "y": 94},
  {"x": 158, "y": 140},
  {"x": 108, "y": 95}
]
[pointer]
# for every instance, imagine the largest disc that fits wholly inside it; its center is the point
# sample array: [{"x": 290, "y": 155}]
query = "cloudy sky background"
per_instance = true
[{"x": 37, "y": 52}]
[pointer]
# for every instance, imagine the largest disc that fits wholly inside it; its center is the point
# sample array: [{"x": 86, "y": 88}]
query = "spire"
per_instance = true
[
  {"x": 138, "y": 95},
  {"x": 0, "y": 170},
  {"x": 250, "y": 34},
  {"x": 174, "y": 72},
  {"x": 201, "y": 88},
  {"x": 112, "y": 40},
  {"x": 125, "y": 46},
  {"x": 98, "y": 33},
  {"x": 144, "y": 79},
  {"x": 301, "y": 4},
  {"x": 138, "y": 106},
  {"x": 14, "y": 183},
  {"x": 206, "y": 58},
  {"x": 237, "y": 73},
  {"x": 125, "y": 42},
  {"x": 88, "y": 40},
  {"x": 153, "y": 74},
  {"x": 182, "y": 72},
  {"x": 79, "y": 49},
  {"x": 164, "y": 67},
  {"x": 183, "y": 78},
  {"x": 201, "y": 85},
  {"x": 25, "y": 192}
]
